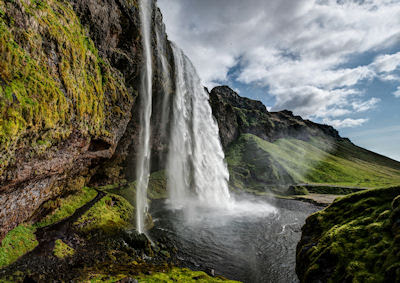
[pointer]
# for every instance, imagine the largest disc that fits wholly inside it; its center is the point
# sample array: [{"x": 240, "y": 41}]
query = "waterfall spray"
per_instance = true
[
  {"x": 195, "y": 165},
  {"x": 143, "y": 157}
]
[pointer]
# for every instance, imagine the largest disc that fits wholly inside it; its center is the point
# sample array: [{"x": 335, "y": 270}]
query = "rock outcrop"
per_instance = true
[
  {"x": 238, "y": 115},
  {"x": 69, "y": 82}
]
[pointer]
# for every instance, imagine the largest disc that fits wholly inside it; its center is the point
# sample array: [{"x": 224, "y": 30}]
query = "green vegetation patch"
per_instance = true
[
  {"x": 62, "y": 250},
  {"x": 17, "y": 242},
  {"x": 157, "y": 188},
  {"x": 110, "y": 214},
  {"x": 65, "y": 207},
  {"x": 256, "y": 164},
  {"x": 181, "y": 275},
  {"x": 356, "y": 239}
]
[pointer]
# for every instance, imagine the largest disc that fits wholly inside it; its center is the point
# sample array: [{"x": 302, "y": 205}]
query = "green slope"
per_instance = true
[
  {"x": 256, "y": 164},
  {"x": 356, "y": 239}
]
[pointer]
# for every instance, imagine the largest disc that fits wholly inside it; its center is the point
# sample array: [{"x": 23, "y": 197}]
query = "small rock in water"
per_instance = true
[{"x": 212, "y": 272}]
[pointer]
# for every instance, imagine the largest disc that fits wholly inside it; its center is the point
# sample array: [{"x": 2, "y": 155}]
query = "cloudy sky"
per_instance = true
[{"x": 331, "y": 61}]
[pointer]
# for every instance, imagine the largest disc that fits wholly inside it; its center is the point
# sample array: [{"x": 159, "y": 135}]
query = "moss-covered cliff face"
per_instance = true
[
  {"x": 69, "y": 82},
  {"x": 356, "y": 239}
]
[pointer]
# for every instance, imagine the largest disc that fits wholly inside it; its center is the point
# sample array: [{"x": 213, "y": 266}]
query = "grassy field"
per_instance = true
[{"x": 256, "y": 164}]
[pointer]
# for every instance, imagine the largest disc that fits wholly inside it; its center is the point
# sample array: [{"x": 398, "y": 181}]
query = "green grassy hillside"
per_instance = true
[
  {"x": 259, "y": 165},
  {"x": 356, "y": 239}
]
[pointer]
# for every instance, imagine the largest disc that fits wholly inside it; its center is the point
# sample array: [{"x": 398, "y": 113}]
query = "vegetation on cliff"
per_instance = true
[
  {"x": 52, "y": 79},
  {"x": 356, "y": 239},
  {"x": 256, "y": 164}
]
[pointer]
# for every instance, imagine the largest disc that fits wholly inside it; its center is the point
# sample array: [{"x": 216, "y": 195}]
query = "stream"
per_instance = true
[{"x": 247, "y": 246}]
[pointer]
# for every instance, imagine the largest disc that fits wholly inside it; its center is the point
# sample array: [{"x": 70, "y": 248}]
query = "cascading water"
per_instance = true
[
  {"x": 166, "y": 81},
  {"x": 195, "y": 164},
  {"x": 143, "y": 157}
]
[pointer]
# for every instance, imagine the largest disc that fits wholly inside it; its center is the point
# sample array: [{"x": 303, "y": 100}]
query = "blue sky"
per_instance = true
[{"x": 331, "y": 61}]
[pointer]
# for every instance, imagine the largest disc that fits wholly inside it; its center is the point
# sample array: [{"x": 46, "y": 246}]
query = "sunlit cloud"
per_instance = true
[{"x": 346, "y": 123}]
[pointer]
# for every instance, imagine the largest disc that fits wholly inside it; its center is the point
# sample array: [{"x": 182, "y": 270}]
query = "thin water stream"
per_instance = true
[{"x": 144, "y": 150}]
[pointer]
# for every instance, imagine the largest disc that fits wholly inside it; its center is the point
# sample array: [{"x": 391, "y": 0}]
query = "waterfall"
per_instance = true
[
  {"x": 196, "y": 170},
  {"x": 166, "y": 82},
  {"x": 143, "y": 156}
]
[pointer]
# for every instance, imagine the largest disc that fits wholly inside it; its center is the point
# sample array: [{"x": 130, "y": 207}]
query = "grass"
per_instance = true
[
  {"x": 256, "y": 164},
  {"x": 109, "y": 215},
  {"x": 62, "y": 250},
  {"x": 22, "y": 239},
  {"x": 62, "y": 208},
  {"x": 356, "y": 239},
  {"x": 17, "y": 242},
  {"x": 170, "y": 275},
  {"x": 180, "y": 275}
]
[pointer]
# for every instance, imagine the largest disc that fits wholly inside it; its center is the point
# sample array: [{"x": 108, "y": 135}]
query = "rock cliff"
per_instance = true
[{"x": 69, "y": 82}]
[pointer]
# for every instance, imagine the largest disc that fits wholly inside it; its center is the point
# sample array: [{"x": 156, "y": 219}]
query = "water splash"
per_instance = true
[
  {"x": 143, "y": 158},
  {"x": 196, "y": 171}
]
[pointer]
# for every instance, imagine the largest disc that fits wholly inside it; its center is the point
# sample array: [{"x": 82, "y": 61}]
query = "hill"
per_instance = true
[{"x": 269, "y": 151}]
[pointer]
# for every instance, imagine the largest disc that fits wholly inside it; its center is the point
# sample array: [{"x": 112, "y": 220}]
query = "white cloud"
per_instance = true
[
  {"x": 298, "y": 49},
  {"x": 397, "y": 92},
  {"x": 387, "y": 63},
  {"x": 346, "y": 123},
  {"x": 361, "y": 106}
]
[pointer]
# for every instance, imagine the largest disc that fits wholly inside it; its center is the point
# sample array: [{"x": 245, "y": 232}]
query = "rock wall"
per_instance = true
[
  {"x": 69, "y": 83},
  {"x": 238, "y": 115}
]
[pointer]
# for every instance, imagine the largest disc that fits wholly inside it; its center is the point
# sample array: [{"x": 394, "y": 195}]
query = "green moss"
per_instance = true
[
  {"x": 355, "y": 235},
  {"x": 181, "y": 275},
  {"x": 298, "y": 190},
  {"x": 64, "y": 207},
  {"x": 17, "y": 242},
  {"x": 110, "y": 214},
  {"x": 62, "y": 250},
  {"x": 74, "y": 89}
]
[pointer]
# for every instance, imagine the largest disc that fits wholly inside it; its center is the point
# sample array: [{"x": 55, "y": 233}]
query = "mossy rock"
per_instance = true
[
  {"x": 353, "y": 240},
  {"x": 298, "y": 190},
  {"x": 181, "y": 275},
  {"x": 52, "y": 79},
  {"x": 64, "y": 207},
  {"x": 62, "y": 250},
  {"x": 110, "y": 214}
]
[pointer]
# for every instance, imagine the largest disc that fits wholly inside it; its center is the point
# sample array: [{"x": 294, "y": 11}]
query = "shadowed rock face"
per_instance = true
[
  {"x": 94, "y": 64},
  {"x": 238, "y": 115}
]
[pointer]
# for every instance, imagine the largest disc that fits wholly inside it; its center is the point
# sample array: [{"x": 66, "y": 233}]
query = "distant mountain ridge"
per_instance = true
[{"x": 266, "y": 150}]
